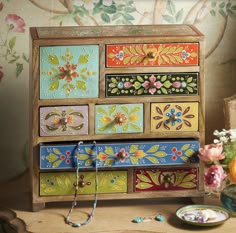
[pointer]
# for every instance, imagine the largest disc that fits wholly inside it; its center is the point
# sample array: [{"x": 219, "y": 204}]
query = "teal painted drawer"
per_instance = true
[
  {"x": 118, "y": 118},
  {"x": 69, "y": 72}
]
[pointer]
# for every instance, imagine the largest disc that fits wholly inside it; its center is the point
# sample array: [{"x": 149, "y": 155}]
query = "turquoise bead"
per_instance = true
[
  {"x": 137, "y": 220},
  {"x": 160, "y": 218}
]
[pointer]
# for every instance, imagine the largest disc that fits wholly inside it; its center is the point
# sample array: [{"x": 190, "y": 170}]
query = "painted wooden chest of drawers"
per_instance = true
[{"x": 126, "y": 99}]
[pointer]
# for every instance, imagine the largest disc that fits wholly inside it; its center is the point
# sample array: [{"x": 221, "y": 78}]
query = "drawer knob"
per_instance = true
[
  {"x": 121, "y": 155},
  {"x": 151, "y": 55},
  {"x": 63, "y": 121},
  {"x": 118, "y": 120},
  {"x": 82, "y": 183}
]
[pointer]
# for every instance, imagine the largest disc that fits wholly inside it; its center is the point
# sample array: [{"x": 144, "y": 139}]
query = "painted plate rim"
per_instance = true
[{"x": 216, "y": 208}]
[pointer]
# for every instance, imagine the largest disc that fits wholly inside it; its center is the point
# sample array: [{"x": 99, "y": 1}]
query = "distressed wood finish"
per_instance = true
[{"x": 142, "y": 86}]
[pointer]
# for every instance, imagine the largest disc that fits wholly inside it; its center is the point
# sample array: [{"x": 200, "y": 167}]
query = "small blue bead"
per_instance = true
[
  {"x": 160, "y": 218},
  {"x": 137, "y": 220},
  {"x": 76, "y": 225}
]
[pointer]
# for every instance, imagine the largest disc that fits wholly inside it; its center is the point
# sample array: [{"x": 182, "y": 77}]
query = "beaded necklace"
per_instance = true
[{"x": 74, "y": 203}]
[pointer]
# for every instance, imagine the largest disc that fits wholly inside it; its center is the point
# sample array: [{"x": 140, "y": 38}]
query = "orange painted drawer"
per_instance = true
[
  {"x": 174, "y": 117},
  {"x": 175, "y": 54}
]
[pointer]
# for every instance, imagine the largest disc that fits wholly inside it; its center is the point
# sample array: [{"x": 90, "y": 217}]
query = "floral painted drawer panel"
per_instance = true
[
  {"x": 118, "y": 154},
  {"x": 118, "y": 118},
  {"x": 166, "y": 179},
  {"x": 63, "y": 183},
  {"x": 151, "y": 84},
  {"x": 178, "y": 54},
  {"x": 69, "y": 72},
  {"x": 63, "y": 120},
  {"x": 174, "y": 117}
]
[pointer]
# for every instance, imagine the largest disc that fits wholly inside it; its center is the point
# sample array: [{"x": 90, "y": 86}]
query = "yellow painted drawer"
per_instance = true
[
  {"x": 174, "y": 117},
  {"x": 63, "y": 183}
]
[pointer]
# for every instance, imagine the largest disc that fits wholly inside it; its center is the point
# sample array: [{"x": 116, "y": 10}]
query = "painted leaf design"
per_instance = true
[
  {"x": 166, "y": 127},
  {"x": 52, "y": 157},
  {"x": 139, "y": 50},
  {"x": 179, "y": 177},
  {"x": 158, "y": 110},
  {"x": 159, "y": 61},
  {"x": 102, "y": 111},
  {"x": 186, "y": 110},
  {"x": 68, "y": 182},
  {"x": 126, "y": 51},
  {"x": 153, "y": 160},
  {"x": 111, "y": 55},
  {"x": 88, "y": 162},
  {"x": 125, "y": 127},
  {"x": 83, "y": 59},
  {"x": 132, "y": 50},
  {"x": 133, "y": 148},
  {"x": 172, "y": 49},
  {"x": 89, "y": 151},
  {"x": 143, "y": 178},
  {"x": 57, "y": 163},
  {"x": 135, "y": 127},
  {"x": 185, "y": 159},
  {"x": 185, "y": 147},
  {"x": 109, "y": 162},
  {"x": 154, "y": 176},
  {"x": 179, "y": 107},
  {"x": 137, "y": 85},
  {"x": 157, "y": 117},
  {"x": 140, "y": 91},
  {"x": 81, "y": 85},
  {"x": 160, "y": 154},
  {"x": 140, "y": 79},
  {"x": 167, "y": 84},
  {"x": 143, "y": 185},
  {"x": 53, "y": 59},
  {"x": 189, "y": 152},
  {"x": 166, "y": 107},
  {"x": 83, "y": 156},
  {"x": 190, "y": 79},
  {"x": 178, "y": 59},
  {"x": 172, "y": 59},
  {"x": 125, "y": 109},
  {"x": 178, "y": 50},
  {"x": 159, "y": 125},
  {"x": 56, "y": 151},
  {"x": 126, "y": 60},
  {"x": 179, "y": 127},
  {"x": 60, "y": 182},
  {"x": 166, "y": 59},
  {"x": 113, "y": 80},
  {"x": 164, "y": 91},
  {"x": 54, "y": 85},
  {"x": 188, "y": 178},
  {"x": 153, "y": 149},
  {"x": 112, "y": 109},
  {"x": 50, "y": 190},
  {"x": 193, "y": 54},
  {"x": 189, "y": 116},
  {"x": 109, "y": 150},
  {"x": 134, "y": 160},
  {"x": 136, "y": 109},
  {"x": 187, "y": 123},
  {"x": 187, "y": 185}
]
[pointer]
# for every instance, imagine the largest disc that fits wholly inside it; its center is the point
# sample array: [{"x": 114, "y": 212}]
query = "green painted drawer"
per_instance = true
[{"x": 63, "y": 183}]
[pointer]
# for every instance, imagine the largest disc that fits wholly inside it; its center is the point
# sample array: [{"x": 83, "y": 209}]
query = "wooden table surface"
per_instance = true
[{"x": 110, "y": 216}]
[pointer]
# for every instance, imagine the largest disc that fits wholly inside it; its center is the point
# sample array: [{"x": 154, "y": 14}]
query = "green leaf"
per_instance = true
[
  {"x": 81, "y": 85},
  {"x": 135, "y": 127},
  {"x": 187, "y": 185},
  {"x": 188, "y": 178},
  {"x": 89, "y": 151},
  {"x": 179, "y": 15},
  {"x": 109, "y": 162},
  {"x": 134, "y": 160},
  {"x": 57, "y": 164},
  {"x": 153, "y": 160},
  {"x": 153, "y": 149},
  {"x": 56, "y": 151},
  {"x": 212, "y": 12},
  {"x": 130, "y": 9},
  {"x": 125, "y": 128},
  {"x": 102, "y": 111},
  {"x": 185, "y": 147},
  {"x": 19, "y": 69},
  {"x": 171, "y": 7},
  {"x": 110, "y": 9},
  {"x": 105, "y": 17},
  {"x": 143, "y": 178},
  {"x": 168, "y": 18},
  {"x": 12, "y": 42},
  {"x": 160, "y": 154},
  {"x": 133, "y": 148},
  {"x": 53, "y": 59},
  {"x": 231, "y": 14},
  {"x": 164, "y": 90},
  {"x": 222, "y": 5},
  {"x": 83, "y": 59},
  {"x": 51, "y": 157},
  {"x": 137, "y": 85},
  {"x": 154, "y": 176},
  {"x": 142, "y": 185},
  {"x": 109, "y": 150},
  {"x": 128, "y": 17},
  {"x": 125, "y": 109},
  {"x": 112, "y": 109},
  {"x": 114, "y": 90},
  {"x": 116, "y": 16},
  {"x": 167, "y": 84},
  {"x": 83, "y": 156},
  {"x": 88, "y": 162}
]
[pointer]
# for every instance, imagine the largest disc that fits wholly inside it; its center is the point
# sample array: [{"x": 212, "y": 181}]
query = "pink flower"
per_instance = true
[
  {"x": 15, "y": 22},
  {"x": 127, "y": 84},
  {"x": 214, "y": 177},
  {"x": 177, "y": 84},
  {"x": 211, "y": 153},
  {"x": 152, "y": 85}
]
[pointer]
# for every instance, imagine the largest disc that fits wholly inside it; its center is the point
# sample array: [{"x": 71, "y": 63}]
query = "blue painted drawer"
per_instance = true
[
  {"x": 118, "y": 154},
  {"x": 118, "y": 118},
  {"x": 69, "y": 72}
]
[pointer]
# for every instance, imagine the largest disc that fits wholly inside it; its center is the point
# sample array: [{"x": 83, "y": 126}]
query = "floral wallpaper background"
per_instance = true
[{"x": 215, "y": 18}]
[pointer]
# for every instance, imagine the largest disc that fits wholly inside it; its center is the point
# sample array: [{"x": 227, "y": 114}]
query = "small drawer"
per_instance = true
[
  {"x": 64, "y": 120},
  {"x": 118, "y": 118},
  {"x": 142, "y": 153},
  {"x": 63, "y": 183},
  {"x": 166, "y": 179},
  {"x": 174, "y": 117},
  {"x": 69, "y": 72},
  {"x": 151, "y": 84},
  {"x": 135, "y": 55}
]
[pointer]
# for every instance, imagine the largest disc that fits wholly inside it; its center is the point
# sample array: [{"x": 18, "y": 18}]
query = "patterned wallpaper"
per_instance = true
[{"x": 215, "y": 18}]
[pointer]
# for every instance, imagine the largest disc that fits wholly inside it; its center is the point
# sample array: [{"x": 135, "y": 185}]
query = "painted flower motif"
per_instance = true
[
  {"x": 88, "y": 4},
  {"x": 15, "y": 23},
  {"x": 1, "y": 74},
  {"x": 127, "y": 84},
  {"x": 176, "y": 152},
  {"x": 102, "y": 156},
  {"x": 184, "y": 54},
  {"x": 122, "y": 155},
  {"x": 68, "y": 71},
  {"x": 211, "y": 153},
  {"x": 214, "y": 177},
  {"x": 82, "y": 181},
  {"x": 119, "y": 118},
  {"x": 120, "y": 55},
  {"x": 139, "y": 154},
  {"x": 173, "y": 117},
  {"x": 152, "y": 85}
]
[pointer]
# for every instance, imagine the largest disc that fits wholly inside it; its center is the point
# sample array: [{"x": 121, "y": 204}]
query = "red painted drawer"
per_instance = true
[
  {"x": 166, "y": 179},
  {"x": 176, "y": 54}
]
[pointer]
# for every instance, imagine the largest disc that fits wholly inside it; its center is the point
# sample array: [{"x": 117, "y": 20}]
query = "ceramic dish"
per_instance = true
[{"x": 203, "y": 215}]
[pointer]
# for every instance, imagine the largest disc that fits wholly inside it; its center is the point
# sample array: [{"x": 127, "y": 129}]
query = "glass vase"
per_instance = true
[{"x": 228, "y": 198}]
